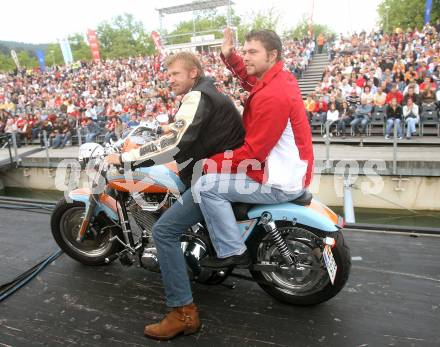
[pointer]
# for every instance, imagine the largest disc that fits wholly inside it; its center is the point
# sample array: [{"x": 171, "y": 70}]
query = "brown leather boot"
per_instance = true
[{"x": 184, "y": 319}]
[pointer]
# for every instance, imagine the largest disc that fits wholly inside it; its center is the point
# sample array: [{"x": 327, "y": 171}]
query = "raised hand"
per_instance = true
[{"x": 228, "y": 42}]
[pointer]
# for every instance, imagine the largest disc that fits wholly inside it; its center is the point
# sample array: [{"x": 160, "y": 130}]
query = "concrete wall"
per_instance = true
[{"x": 391, "y": 192}]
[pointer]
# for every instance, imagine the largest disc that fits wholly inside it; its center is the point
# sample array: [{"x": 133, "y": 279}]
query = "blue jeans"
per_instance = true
[
  {"x": 91, "y": 137},
  {"x": 109, "y": 135},
  {"x": 342, "y": 123},
  {"x": 35, "y": 132},
  {"x": 62, "y": 139},
  {"x": 396, "y": 123},
  {"x": 362, "y": 120},
  {"x": 411, "y": 126},
  {"x": 216, "y": 192},
  {"x": 166, "y": 235}
]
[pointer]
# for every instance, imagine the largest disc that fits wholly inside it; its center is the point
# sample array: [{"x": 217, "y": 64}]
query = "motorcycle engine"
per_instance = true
[
  {"x": 145, "y": 214},
  {"x": 195, "y": 243}
]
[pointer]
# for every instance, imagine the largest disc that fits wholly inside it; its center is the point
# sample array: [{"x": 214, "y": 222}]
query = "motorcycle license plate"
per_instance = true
[{"x": 330, "y": 263}]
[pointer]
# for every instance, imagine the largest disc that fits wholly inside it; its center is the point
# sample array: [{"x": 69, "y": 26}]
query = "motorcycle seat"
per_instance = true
[
  {"x": 241, "y": 209},
  {"x": 303, "y": 200}
]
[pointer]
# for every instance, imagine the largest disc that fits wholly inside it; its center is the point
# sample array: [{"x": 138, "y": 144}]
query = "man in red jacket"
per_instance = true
[
  {"x": 275, "y": 163},
  {"x": 394, "y": 94}
]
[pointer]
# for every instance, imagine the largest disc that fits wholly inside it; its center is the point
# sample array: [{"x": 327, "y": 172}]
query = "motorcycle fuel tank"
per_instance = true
[{"x": 154, "y": 179}]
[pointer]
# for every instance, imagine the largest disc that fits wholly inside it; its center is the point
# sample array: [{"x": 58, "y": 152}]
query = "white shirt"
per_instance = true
[
  {"x": 346, "y": 90},
  {"x": 416, "y": 89},
  {"x": 332, "y": 115},
  {"x": 414, "y": 111}
]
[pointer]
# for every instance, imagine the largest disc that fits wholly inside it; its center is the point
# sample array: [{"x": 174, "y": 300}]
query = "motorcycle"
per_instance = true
[{"x": 298, "y": 251}]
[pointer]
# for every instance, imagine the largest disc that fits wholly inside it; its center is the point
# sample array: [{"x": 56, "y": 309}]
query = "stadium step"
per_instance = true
[
  {"x": 313, "y": 74},
  {"x": 312, "y": 77},
  {"x": 306, "y": 80}
]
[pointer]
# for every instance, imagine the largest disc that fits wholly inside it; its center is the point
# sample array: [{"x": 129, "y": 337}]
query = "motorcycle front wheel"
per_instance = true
[
  {"x": 65, "y": 223},
  {"x": 308, "y": 286}
]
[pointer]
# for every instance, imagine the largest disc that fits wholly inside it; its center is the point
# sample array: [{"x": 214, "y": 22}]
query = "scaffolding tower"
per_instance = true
[{"x": 192, "y": 7}]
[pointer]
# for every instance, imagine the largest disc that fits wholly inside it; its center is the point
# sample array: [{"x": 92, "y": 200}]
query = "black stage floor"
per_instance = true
[{"x": 392, "y": 299}]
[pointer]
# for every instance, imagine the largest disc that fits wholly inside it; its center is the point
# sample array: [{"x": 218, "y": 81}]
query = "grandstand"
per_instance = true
[
  {"x": 114, "y": 96},
  {"x": 121, "y": 93},
  {"x": 377, "y": 68}
]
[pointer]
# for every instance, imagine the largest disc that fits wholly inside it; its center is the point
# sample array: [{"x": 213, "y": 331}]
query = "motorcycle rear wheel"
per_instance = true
[
  {"x": 303, "y": 288},
  {"x": 65, "y": 223}
]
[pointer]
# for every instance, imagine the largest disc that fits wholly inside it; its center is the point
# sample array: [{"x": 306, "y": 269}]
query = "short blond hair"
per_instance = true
[{"x": 189, "y": 59}]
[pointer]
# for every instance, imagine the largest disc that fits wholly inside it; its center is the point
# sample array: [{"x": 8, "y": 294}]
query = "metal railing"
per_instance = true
[
  {"x": 5, "y": 141},
  {"x": 394, "y": 155}
]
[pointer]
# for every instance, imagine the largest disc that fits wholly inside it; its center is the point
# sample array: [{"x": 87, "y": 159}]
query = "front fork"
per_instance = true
[
  {"x": 123, "y": 217},
  {"x": 87, "y": 217},
  {"x": 93, "y": 201}
]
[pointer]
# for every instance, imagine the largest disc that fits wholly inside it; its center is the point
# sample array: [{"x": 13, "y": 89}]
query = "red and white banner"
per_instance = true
[
  {"x": 94, "y": 46},
  {"x": 156, "y": 39}
]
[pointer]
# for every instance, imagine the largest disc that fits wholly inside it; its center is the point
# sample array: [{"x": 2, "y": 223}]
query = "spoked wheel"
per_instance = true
[
  {"x": 96, "y": 246},
  {"x": 307, "y": 285}
]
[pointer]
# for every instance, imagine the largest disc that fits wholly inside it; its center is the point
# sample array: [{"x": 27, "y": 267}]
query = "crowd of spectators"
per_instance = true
[
  {"x": 395, "y": 75},
  {"x": 103, "y": 99}
]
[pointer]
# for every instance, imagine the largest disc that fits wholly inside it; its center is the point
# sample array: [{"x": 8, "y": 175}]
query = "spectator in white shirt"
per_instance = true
[
  {"x": 367, "y": 95},
  {"x": 90, "y": 112},
  {"x": 413, "y": 85},
  {"x": 411, "y": 117},
  {"x": 346, "y": 88},
  {"x": 437, "y": 95},
  {"x": 332, "y": 118}
]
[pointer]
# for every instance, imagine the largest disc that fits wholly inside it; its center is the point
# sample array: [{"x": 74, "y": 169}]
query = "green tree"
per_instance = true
[
  {"x": 27, "y": 60},
  {"x": 265, "y": 20},
  {"x": 6, "y": 62},
  {"x": 405, "y": 14},
  {"x": 301, "y": 30},
  {"x": 258, "y": 20},
  {"x": 80, "y": 49},
  {"x": 123, "y": 37},
  {"x": 78, "y": 45},
  {"x": 53, "y": 55}
]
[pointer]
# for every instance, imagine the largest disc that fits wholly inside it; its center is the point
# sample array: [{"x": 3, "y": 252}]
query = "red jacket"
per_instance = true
[
  {"x": 398, "y": 95},
  {"x": 278, "y": 134},
  {"x": 321, "y": 108},
  {"x": 360, "y": 82}
]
